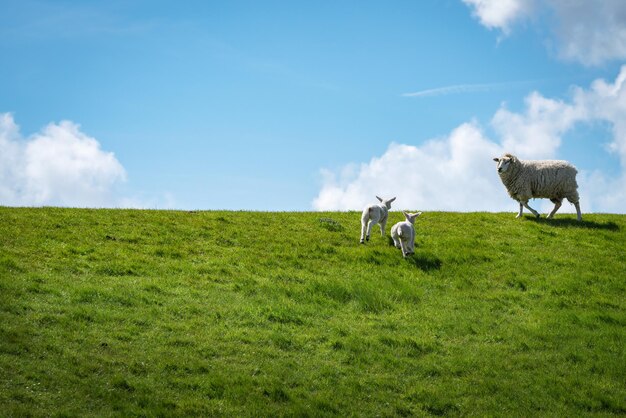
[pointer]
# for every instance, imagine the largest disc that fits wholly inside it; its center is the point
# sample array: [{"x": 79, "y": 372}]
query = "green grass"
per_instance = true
[{"x": 171, "y": 313}]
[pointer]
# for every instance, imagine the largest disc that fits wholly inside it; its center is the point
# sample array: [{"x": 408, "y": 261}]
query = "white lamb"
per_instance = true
[
  {"x": 375, "y": 214},
  {"x": 403, "y": 233},
  {"x": 551, "y": 179}
]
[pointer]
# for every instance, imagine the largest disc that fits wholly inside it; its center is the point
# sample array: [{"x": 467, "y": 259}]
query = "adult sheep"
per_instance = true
[{"x": 551, "y": 179}]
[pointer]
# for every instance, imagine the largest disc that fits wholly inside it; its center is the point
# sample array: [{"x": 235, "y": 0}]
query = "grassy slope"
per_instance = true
[{"x": 158, "y": 312}]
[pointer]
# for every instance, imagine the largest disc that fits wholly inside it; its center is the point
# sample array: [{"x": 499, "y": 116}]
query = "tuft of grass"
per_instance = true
[
  {"x": 210, "y": 313},
  {"x": 331, "y": 224}
]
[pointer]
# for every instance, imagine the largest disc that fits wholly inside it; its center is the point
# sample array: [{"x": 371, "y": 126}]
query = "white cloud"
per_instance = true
[
  {"x": 607, "y": 101},
  {"x": 499, "y": 14},
  {"x": 58, "y": 166},
  {"x": 456, "y": 172},
  {"x": 453, "y": 173},
  {"x": 589, "y": 32},
  {"x": 537, "y": 132}
]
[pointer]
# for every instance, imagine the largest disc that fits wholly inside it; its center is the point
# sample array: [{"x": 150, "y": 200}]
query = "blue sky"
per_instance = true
[{"x": 282, "y": 105}]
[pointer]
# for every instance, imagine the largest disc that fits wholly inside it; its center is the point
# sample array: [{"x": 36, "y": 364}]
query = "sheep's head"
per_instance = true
[
  {"x": 505, "y": 162},
  {"x": 411, "y": 216},
  {"x": 386, "y": 202}
]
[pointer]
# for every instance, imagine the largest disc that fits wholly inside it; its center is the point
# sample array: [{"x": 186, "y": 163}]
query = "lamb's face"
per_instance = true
[
  {"x": 411, "y": 216},
  {"x": 504, "y": 164},
  {"x": 388, "y": 202}
]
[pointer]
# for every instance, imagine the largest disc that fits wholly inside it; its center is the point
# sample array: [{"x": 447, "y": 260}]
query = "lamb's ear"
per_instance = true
[
  {"x": 496, "y": 159},
  {"x": 379, "y": 199},
  {"x": 407, "y": 215},
  {"x": 392, "y": 199},
  {"x": 417, "y": 214}
]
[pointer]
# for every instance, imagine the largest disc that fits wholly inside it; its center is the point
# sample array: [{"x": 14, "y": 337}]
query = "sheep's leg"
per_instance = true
[
  {"x": 521, "y": 209},
  {"x": 578, "y": 215},
  {"x": 534, "y": 212},
  {"x": 575, "y": 199},
  {"x": 557, "y": 205}
]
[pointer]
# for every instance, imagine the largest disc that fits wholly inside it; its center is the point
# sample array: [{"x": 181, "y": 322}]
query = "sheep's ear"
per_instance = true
[
  {"x": 417, "y": 214},
  {"x": 496, "y": 159},
  {"x": 379, "y": 199},
  {"x": 407, "y": 215},
  {"x": 392, "y": 199}
]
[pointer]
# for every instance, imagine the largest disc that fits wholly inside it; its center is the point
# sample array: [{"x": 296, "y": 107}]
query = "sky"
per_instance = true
[{"x": 299, "y": 106}]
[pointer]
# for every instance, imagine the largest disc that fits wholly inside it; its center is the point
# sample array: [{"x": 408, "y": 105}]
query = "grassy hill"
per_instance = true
[{"x": 128, "y": 313}]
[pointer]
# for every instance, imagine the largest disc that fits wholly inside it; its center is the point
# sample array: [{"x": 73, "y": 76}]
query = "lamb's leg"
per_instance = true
[
  {"x": 534, "y": 212},
  {"x": 521, "y": 209},
  {"x": 382, "y": 224},
  {"x": 557, "y": 205},
  {"x": 396, "y": 241},
  {"x": 411, "y": 246},
  {"x": 363, "y": 230},
  {"x": 369, "y": 229},
  {"x": 374, "y": 218},
  {"x": 404, "y": 249}
]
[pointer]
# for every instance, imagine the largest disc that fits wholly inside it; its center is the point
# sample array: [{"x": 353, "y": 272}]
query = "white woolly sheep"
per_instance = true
[
  {"x": 375, "y": 214},
  {"x": 551, "y": 179},
  {"x": 403, "y": 233}
]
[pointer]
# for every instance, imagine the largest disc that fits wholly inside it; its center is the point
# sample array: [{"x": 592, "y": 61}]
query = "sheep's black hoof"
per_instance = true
[{"x": 362, "y": 242}]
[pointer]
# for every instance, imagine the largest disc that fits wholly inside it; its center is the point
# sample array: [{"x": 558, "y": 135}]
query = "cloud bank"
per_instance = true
[
  {"x": 58, "y": 166},
  {"x": 589, "y": 32},
  {"x": 456, "y": 172}
]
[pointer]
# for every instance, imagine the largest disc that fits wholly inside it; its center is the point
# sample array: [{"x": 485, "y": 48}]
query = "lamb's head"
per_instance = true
[
  {"x": 505, "y": 163},
  {"x": 386, "y": 202},
  {"x": 410, "y": 217}
]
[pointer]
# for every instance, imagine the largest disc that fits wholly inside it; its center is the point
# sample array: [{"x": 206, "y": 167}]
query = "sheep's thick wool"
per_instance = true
[{"x": 549, "y": 179}]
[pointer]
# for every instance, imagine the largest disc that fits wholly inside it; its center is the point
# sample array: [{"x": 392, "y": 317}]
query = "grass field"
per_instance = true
[{"x": 171, "y": 313}]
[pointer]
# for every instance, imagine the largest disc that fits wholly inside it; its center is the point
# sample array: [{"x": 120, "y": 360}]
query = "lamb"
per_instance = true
[
  {"x": 551, "y": 179},
  {"x": 375, "y": 214},
  {"x": 403, "y": 233}
]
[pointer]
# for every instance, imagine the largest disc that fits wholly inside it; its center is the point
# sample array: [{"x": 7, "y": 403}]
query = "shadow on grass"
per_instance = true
[
  {"x": 569, "y": 222},
  {"x": 424, "y": 262}
]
